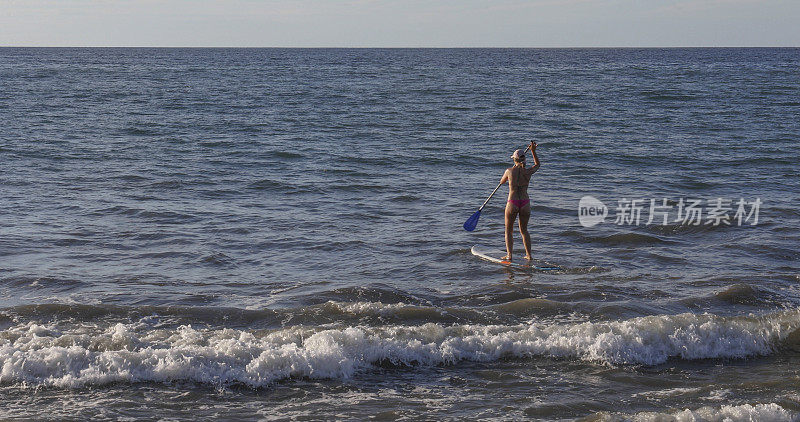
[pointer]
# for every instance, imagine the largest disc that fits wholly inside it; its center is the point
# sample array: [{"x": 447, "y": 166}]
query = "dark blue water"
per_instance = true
[{"x": 276, "y": 233}]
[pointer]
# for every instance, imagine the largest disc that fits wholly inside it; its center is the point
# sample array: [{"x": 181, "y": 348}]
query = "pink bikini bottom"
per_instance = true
[{"x": 519, "y": 203}]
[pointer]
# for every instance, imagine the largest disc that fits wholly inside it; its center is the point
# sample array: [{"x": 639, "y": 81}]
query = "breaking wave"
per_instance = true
[
  {"x": 71, "y": 356},
  {"x": 727, "y": 413}
]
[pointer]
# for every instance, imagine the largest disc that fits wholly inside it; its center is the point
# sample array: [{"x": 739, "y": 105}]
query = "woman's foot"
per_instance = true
[
  {"x": 506, "y": 258},
  {"x": 528, "y": 257}
]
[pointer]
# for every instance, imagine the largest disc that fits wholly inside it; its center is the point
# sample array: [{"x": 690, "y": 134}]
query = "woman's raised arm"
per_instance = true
[{"x": 536, "y": 162}]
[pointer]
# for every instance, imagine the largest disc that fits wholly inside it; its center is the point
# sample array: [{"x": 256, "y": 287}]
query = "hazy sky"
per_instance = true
[{"x": 398, "y": 23}]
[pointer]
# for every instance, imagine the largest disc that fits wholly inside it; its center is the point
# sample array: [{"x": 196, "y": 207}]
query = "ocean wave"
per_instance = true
[
  {"x": 741, "y": 293},
  {"x": 735, "y": 294},
  {"x": 618, "y": 239},
  {"x": 674, "y": 228},
  {"x": 405, "y": 312},
  {"x": 726, "y": 413},
  {"x": 326, "y": 313},
  {"x": 72, "y": 356},
  {"x": 154, "y": 216},
  {"x": 623, "y": 239}
]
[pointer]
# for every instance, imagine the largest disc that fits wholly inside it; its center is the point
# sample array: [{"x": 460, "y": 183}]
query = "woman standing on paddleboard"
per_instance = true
[{"x": 518, "y": 178}]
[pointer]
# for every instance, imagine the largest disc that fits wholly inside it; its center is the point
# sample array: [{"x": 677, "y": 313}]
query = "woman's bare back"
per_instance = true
[{"x": 518, "y": 180}]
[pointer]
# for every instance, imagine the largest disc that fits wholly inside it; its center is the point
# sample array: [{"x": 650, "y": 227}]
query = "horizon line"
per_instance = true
[{"x": 394, "y": 47}]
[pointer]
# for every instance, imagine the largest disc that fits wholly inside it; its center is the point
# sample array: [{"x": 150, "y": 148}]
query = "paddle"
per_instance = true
[{"x": 472, "y": 221}]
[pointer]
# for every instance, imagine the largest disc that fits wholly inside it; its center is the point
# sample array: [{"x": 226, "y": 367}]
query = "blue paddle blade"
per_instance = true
[{"x": 472, "y": 222}]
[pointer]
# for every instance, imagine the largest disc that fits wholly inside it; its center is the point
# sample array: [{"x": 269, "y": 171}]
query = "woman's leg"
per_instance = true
[
  {"x": 524, "y": 216},
  {"x": 511, "y": 215}
]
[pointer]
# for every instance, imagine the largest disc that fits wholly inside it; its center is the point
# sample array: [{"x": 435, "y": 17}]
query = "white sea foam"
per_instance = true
[
  {"x": 376, "y": 308},
  {"x": 668, "y": 392},
  {"x": 74, "y": 356},
  {"x": 744, "y": 413}
]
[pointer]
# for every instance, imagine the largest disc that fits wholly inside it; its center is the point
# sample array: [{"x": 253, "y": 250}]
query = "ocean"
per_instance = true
[{"x": 276, "y": 234}]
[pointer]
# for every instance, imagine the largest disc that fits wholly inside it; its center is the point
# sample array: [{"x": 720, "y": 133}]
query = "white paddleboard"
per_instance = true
[{"x": 495, "y": 255}]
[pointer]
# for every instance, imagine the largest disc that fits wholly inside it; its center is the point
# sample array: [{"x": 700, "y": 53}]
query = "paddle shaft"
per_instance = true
[
  {"x": 498, "y": 186},
  {"x": 490, "y": 197}
]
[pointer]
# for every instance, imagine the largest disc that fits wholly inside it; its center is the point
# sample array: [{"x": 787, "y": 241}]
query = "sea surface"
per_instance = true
[{"x": 275, "y": 234}]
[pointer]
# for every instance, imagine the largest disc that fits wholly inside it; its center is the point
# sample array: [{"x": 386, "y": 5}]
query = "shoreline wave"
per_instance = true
[
  {"x": 727, "y": 413},
  {"x": 74, "y": 356}
]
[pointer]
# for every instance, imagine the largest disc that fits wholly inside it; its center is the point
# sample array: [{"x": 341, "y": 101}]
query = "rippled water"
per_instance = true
[{"x": 276, "y": 233}]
